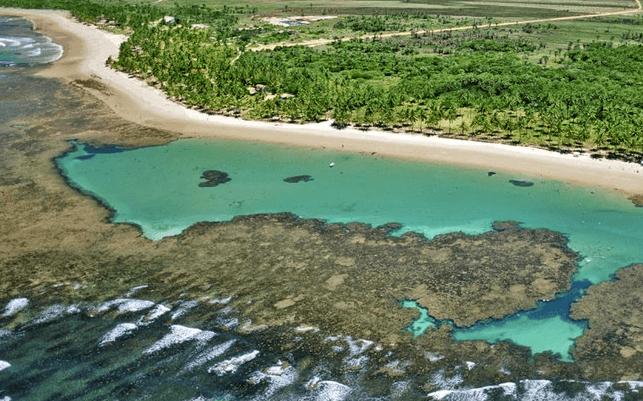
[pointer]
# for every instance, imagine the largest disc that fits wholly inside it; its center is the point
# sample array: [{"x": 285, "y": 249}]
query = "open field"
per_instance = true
[{"x": 533, "y": 9}]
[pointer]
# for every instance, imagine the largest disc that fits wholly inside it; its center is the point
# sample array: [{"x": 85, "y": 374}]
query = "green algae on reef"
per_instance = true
[
  {"x": 615, "y": 335},
  {"x": 344, "y": 278}
]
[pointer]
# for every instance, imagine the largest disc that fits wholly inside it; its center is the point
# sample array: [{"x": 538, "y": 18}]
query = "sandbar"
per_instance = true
[{"x": 86, "y": 48}]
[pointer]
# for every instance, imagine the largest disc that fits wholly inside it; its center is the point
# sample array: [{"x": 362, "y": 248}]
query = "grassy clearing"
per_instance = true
[
  {"x": 263, "y": 32},
  {"x": 520, "y": 9}
]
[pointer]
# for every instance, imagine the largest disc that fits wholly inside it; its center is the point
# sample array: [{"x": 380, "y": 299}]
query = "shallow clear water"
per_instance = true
[
  {"x": 20, "y": 45},
  {"x": 545, "y": 328},
  {"x": 158, "y": 189}
]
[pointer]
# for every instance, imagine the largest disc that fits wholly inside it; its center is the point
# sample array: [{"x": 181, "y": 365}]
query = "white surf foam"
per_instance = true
[
  {"x": 209, "y": 355},
  {"x": 534, "y": 390},
  {"x": 475, "y": 394},
  {"x": 229, "y": 323},
  {"x": 134, "y": 290},
  {"x": 183, "y": 309},
  {"x": 328, "y": 390},
  {"x": 355, "y": 362},
  {"x": 125, "y": 305},
  {"x": 634, "y": 385},
  {"x": 9, "y": 42},
  {"x": 221, "y": 301},
  {"x": 3, "y": 334},
  {"x": 358, "y": 346},
  {"x": 14, "y": 306},
  {"x": 231, "y": 365},
  {"x": 433, "y": 357},
  {"x": 35, "y": 52},
  {"x": 396, "y": 367},
  {"x": 442, "y": 381},
  {"x": 278, "y": 376},
  {"x": 180, "y": 334},
  {"x": 154, "y": 314},
  {"x": 597, "y": 390},
  {"x": 117, "y": 332},
  {"x": 398, "y": 388},
  {"x": 53, "y": 312}
]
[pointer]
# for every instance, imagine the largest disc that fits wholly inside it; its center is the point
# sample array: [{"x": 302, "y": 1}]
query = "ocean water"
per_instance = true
[
  {"x": 158, "y": 189},
  {"x": 20, "y": 45},
  {"x": 134, "y": 349}
]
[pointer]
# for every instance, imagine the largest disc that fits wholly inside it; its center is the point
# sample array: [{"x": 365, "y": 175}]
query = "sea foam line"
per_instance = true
[
  {"x": 180, "y": 334},
  {"x": 117, "y": 332},
  {"x": 210, "y": 354},
  {"x": 231, "y": 365},
  {"x": 14, "y": 306}
]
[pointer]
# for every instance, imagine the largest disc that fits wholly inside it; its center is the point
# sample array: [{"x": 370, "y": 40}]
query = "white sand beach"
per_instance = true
[{"x": 87, "y": 47}]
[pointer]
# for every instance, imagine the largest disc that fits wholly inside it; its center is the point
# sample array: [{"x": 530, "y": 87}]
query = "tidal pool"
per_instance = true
[
  {"x": 555, "y": 331},
  {"x": 164, "y": 190}
]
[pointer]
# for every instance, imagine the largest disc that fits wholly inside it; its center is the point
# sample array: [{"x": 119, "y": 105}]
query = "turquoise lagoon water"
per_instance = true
[
  {"x": 157, "y": 188},
  {"x": 545, "y": 328}
]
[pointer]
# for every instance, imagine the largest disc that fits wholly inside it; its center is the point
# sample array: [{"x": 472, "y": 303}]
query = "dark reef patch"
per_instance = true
[
  {"x": 521, "y": 183},
  {"x": 299, "y": 178},
  {"x": 213, "y": 178},
  {"x": 614, "y": 310},
  {"x": 637, "y": 200},
  {"x": 338, "y": 269},
  {"x": 105, "y": 149}
]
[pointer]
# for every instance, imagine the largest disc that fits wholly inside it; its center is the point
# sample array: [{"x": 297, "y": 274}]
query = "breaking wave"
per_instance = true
[
  {"x": 20, "y": 45},
  {"x": 130, "y": 348}
]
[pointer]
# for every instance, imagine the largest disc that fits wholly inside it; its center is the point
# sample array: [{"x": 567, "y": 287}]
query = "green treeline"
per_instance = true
[
  {"x": 127, "y": 15},
  {"x": 392, "y": 23},
  {"x": 591, "y": 96}
]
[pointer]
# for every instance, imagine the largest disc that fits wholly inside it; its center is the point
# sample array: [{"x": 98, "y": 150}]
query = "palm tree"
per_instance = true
[
  {"x": 422, "y": 116},
  {"x": 463, "y": 126},
  {"x": 451, "y": 114}
]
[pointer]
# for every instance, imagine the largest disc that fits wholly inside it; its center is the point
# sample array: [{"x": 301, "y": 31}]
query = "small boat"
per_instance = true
[{"x": 331, "y": 164}]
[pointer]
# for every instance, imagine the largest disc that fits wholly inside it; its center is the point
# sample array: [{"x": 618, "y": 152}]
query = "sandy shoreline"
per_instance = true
[{"x": 86, "y": 49}]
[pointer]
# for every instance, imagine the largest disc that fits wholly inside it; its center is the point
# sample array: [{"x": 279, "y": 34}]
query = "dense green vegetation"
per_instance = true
[
  {"x": 592, "y": 95},
  {"x": 501, "y": 83},
  {"x": 353, "y": 25}
]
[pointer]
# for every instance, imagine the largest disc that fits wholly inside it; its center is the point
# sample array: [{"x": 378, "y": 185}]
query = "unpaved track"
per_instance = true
[{"x": 320, "y": 42}]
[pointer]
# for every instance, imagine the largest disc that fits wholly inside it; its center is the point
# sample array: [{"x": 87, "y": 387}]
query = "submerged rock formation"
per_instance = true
[
  {"x": 213, "y": 178},
  {"x": 521, "y": 183},
  {"x": 613, "y": 343},
  {"x": 298, "y": 178}
]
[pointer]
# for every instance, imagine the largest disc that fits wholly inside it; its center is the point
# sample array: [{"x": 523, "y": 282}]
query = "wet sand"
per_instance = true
[{"x": 87, "y": 48}]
